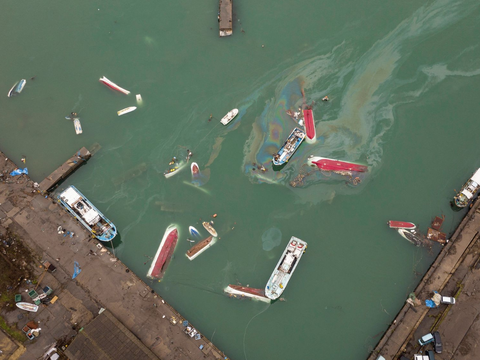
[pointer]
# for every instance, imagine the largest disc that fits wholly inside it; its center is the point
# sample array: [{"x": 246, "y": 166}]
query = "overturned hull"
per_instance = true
[
  {"x": 199, "y": 248},
  {"x": 245, "y": 291},
  {"x": 164, "y": 253}
]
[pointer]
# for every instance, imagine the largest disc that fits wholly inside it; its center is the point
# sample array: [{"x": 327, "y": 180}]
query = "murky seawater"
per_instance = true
[{"x": 403, "y": 82}]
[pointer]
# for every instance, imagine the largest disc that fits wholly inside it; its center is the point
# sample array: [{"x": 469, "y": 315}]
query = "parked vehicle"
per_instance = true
[
  {"x": 447, "y": 300},
  {"x": 380, "y": 357},
  {"x": 437, "y": 344},
  {"x": 425, "y": 339},
  {"x": 420, "y": 357},
  {"x": 430, "y": 354}
]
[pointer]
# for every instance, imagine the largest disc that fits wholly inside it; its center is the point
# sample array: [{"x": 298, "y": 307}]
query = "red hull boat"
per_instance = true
[
  {"x": 309, "y": 126},
  {"x": 401, "y": 225},
  {"x": 164, "y": 253},
  {"x": 335, "y": 165},
  {"x": 245, "y": 291}
]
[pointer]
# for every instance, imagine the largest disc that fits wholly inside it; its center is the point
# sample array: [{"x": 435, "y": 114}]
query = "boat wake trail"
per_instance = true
[
  {"x": 364, "y": 89},
  {"x": 246, "y": 328}
]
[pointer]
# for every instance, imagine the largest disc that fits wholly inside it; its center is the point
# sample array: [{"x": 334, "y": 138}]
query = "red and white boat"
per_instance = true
[
  {"x": 401, "y": 225},
  {"x": 164, "y": 253},
  {"x": 195, "y": 169},
  {"x": 245, "y": 291},
  {"x": 114, "y": 86},
  {"x": 309, "y": 126},
  {"x": 335, "y": 165}
]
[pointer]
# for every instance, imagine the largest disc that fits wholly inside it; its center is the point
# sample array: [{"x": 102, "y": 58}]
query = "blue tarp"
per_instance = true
[
  {"x": 76, "y": 269},
  {"x": 19, "y": 172},
  {"x": 430, "y": 303}
]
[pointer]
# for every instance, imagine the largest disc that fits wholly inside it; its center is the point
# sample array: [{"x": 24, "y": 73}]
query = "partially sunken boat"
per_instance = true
[
  {"x": 401, "y": 225},
  {"x": 164, "y": 253},
  {"x": 113, "y": 86},
  {"x": 289, "y": 147},
  {"x": 327, "y": 164},
  {"x": 88, "y": 215},
  {"x": 194, "y": 232},
  {"x": 17, "y": 88},
  {"x": 309, "y": 126},
  {"x": 194, "y": 169},
  {"x": 412, "y": 236},
  {"x": 126, "y": 110},
  {"x": 210, "y": 228},
  {"x": 285, "y": 267},
  {"x": 229, "y": 117},
  {"x": 468, "y": 191},
  {"x": 245, "y": 291},
  {"x": 199, "y": 248}
]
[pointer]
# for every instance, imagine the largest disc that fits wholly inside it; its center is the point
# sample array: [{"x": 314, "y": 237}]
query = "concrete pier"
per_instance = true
[{"x": 225, "y": 14}]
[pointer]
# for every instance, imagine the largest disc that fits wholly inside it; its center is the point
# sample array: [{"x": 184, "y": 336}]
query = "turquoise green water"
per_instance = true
[{"x": 403, "y": 79}]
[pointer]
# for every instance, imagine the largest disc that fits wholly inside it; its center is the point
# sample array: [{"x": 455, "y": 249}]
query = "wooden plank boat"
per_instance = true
[
  {"x": 126, "y": 110},
  {"x": 164, "y": 253},
  {"x": 175, "y": 169},
  {"x": 17, "y": 88},
  {"x": 229, "y": 117},
  {"x": 200, "y": 247},
  {"x": 401, "y": 225},
  {"x": 27, "y": 306},
  {"x": 113, "y": 86},
  {"x": 289, "y": 147},
  {"x": 210, "y": 228}
]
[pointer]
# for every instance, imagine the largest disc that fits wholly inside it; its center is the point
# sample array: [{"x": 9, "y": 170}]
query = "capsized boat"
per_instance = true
[
  {"x": 164, "y": 253},
  {"x": 289, "y": 147},
  {"x": 194, "y": 169},
  {"x": 229, "y": 117},
  {"x": 17, "y": 88},
  {"x": 468, "y": 191},
  {"x": 411, "y": 235},
  {"x": 27, "y": 306},
  {"x": 285, "y": 267},
  {"x": 309, "y": 126},
  {"x": 210, "y": 228},
  {"x": 200, "y": 247},
  {"x": 113, "y": 86},
  {"x": 401, "y": 225},
  {"x": 194, "y": 232},
  {"x": 245, "y": 291},
  {"x": 126, "y": 110},
  {"x": 88, "y": 215},
  {"x": 175, "y": 168},
  {"x": 327, "y": 164}
]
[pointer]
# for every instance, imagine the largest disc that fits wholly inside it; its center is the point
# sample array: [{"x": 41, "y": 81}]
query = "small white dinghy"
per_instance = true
[
  {"x": 27, "y": 306},
  {"x": 229, "y": 117},
  {"x": 126, "y": 110},
  {"x": 78, "y": 126}
]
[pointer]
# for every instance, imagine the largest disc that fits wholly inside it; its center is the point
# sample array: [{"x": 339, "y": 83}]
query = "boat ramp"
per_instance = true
[{"x": 225, "y": 14}]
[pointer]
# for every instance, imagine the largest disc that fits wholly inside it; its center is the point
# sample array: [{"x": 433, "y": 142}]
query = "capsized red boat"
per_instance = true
[
  {"x": 245, "y": 291},
  {"x": 113, "y": 86},
  {"x": 335, "y": 165},
  {"x": 401, "y": 225},
  {"x": 164, "y": 253},
  {"x": 309, "y": 126}
]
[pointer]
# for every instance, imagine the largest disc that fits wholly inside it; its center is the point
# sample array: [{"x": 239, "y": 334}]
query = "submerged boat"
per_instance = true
[
  {"x": 175, "y": 169},
  {"x": 285, "y": 267},
  {"x": 199, "y": 248},
  {"x": 78, "y": 126},
  {"x": 335, "y": 165},
  {"x": 229, "y": 117},
  {"x": 309, "y": 126},
  {"x": 289, "y": 147},
  {"x": 113, "y": 86},
  {"x": 210, "y": 228},
  {"x": 27, "y": 306},
  {"x": 17, "y": 88},
  {"x": 401, "y": 225},
  {"x": 468, "y": 191},
  {"x": 194, "y": 169},
  {"x": 126, "y": 110},
  {"x": 245, "y": 291},
  {"x": 164, "y": 253},
  {"x": 90, "y": 217},
  {"x": 194, "y": 232},
  {"x": 411, "y": 235}
]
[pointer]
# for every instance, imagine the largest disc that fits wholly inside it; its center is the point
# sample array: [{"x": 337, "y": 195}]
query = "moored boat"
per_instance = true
[
  {"x": 17, "y": 88},
  {"x": 126, "y": 110},
  {"x": 311, "y": 135},
  {"x": 164, "y": 253},
  {"x": 245, "y": 291},
  {"x": 229, "y": 117},
  {"x": 113, "y": 86},
  {"x": 327, "y": 164},
  {"x": 210, "y": 228},
  {"x": 468, "y": 191},
  {"x": 199, "y": 248},
  {"x": 88, "y": 215},
  {"x": 412, "y": 236},
  {"x": 175, "y": 169},
  {"x": 194, "y": 232},
  {"x": 27, "y": 306},
  {"x": 285, "y": 267},
  {"x": 401, "y": 225},
  {"x": 289, "y": 147}
]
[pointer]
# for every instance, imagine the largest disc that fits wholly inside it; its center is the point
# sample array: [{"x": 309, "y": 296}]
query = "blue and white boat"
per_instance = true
[
  {"x": 194, "y": 232},
  {"x": 289, "y": 147},
  {"x": 85, "y": 212},
  {"x": 285, "y": 267},
  {"x": 17, "y": 88}
]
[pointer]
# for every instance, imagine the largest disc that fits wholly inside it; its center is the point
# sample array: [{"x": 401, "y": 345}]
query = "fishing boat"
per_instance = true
[
  {"x": 327, "y": 164},
  {"x": 88, "y": 215},
  {"x": 27, "y": 306},
  {"x": 139, "y": 98},
  {"x": 175, "y": 169},
  {"x": 401, "y": 225},
  {"x": 77, "y": 125},
  {"x": 309, "y": 126},
  {"x": 468, "y": 191},
  {"x": 126, "y": 110},
  {"x": 210, "y": 228},
  {"x": 194, "y": 232},
  {"x": 200, "y": 247},
  {"x": 164, "y": 253},
  {"x": 194, "y": 169},
  {"x": 245, "y": 291},
  {"x": 17, "y": 88},
  {"x": 289, "y": 147},
  {"x": 113, "y": 86},
  {"x": 229, "y": 117},
  {"x": 285, "y": 267},
  {"x": 412, "y": 236}
]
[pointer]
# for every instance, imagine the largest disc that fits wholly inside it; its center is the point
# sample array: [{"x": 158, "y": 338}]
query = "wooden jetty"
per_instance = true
[
  {"x": 225, "y": 18},
  {"x": 66, "y": 169}
]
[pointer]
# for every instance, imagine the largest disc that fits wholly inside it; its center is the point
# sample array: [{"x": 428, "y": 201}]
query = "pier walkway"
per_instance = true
[{"x": 225, "y": 14}]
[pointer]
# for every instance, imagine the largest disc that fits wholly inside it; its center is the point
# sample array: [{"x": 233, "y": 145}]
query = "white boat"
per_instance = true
[
  {"x": 164, "y": 253},
  {"x": 210, "y": 228},
  {"x": 200, "y": 247},
  {"x": 78, "y": 126},
  {"x": 139, "y": 98},
  {"x": 126, "y": 110},
  {"x": 27, "y": 306},
  {"x": 113, "y": 86},
  {"x": 245, "y": 291},
  {"x": 175, "y": 168},
  {"x": 468, "y": 191},
  {"x": 229, "y": 117},
  {"x": 17, "y": 88},
  {"x": 285, "y": 267}
]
